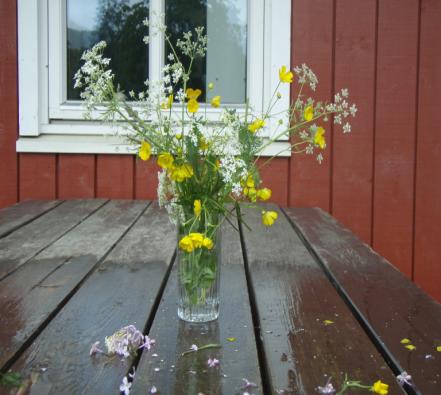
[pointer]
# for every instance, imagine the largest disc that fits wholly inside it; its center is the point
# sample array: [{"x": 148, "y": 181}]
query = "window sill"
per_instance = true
[{"x": 99, "y": 144}]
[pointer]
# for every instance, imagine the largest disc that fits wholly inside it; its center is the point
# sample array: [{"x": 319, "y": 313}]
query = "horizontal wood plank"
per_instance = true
[
  {"x": 33, "y": 293},
  {"x": 29, "y": 240},
  {"x": 294, "y": 300},
  {"x": 120, "y": 292},
  {"x": 11, "y": 218},
  {"x": 394, "y": 307},
  {"x": 189, "y": 374}
]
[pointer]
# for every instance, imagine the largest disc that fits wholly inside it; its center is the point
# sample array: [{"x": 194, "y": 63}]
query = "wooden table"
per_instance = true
[{"x": 300, "y": 302}]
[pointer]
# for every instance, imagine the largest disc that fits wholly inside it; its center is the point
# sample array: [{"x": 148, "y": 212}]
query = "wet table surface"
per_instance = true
[{"x": 303, "y": 303}]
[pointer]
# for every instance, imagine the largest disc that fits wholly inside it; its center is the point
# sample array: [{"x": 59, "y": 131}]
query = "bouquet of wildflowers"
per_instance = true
[{"x": 208, "y": 166}]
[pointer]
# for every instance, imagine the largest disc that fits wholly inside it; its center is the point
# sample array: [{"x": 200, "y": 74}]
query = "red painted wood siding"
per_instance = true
[{"x": 383, "y": 181}]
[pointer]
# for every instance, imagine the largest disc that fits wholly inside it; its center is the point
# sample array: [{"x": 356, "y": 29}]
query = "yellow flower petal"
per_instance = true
[
  {"x": 404, "y": 341},
  {"x": 231, "y": 339},
  {"x": 264, "y": 194},
  {"x": 197, "y": 239},
  {"x": 285, "y": 75},
  {"x": 197, "y": 208},
  {"x": 308, "y": 113},
  {"x": 216, "y": 101},
  {"x": 438, "y": 348},
  {"x": 328, "y": 322},
  {"x": 256, "y": 125},
  {"x": 165, "y": 160},
  {"x": 210, "y": 86},
  {"x": 250, "y": 181},
  {"x": 192, "y": 106},
  {"x": 186, "y": 244},
  {"x": 319, "y": 137},
  {"x": 380, "y": 388},
  {"x": 193, "y": 94},
  {"x": 145, "y": 151},
  {"x": 269, "y": 217},
  {"x": 410, "y": 347},
  {"x": 207, "y": 243}
]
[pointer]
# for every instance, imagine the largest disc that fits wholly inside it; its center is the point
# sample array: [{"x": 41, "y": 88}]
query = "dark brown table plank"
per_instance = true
[
  {"x": 29, "y": 296},
  {"x": 293, "y": 299},
  {"x": 120, "y": 292},
  {"x": 29, "y": 240},
  {"x": 190, "y": 374},
  {"x": 11, "y": 218},
  {"x": 394, "y": 306}
]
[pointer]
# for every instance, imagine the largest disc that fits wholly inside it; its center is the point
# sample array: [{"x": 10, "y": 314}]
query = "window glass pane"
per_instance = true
[
  {"x": 225, "y": 22},
  {"x": 119, "y": 23}
]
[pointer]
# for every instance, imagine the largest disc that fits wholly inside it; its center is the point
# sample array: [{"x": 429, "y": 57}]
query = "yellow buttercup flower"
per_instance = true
[
  {"x": 251, "y": 193},
  {"x": 197, "y": 208},
  {"x": 216, "y": 101},
  {"x": 319, "y": 137},
  {"x": 207, "y": 243},
  {"x": 250, "y": 181},
  {"x": 186, "y": 244},
  {"x": 193, "y": 94},
  {"x": 192, "y": 105},
  {"x": 380, "y": 388},
  {"x": 269, "y": 217},
  {"x": 308, "y": 113},
  {"x": 264, "y": 193},
  {"x": 165, "y": 160},
  {"x": 168, "y": 104},
  {"x": 256, "y": 125},
  {"x": 197, "y": 239},
  {"x": 285, "y": 75},
  {"x": 145, "y": 151},
  {"x": 178, "y": 136},
  {"x": 180, "y": 173}
]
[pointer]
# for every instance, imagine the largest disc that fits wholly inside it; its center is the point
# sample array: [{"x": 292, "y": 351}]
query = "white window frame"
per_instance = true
[{"x": 50, "y": 123}]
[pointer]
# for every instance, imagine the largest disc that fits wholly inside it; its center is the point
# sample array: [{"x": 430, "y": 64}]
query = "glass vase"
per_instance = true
[{"x": 198, "y": 280}]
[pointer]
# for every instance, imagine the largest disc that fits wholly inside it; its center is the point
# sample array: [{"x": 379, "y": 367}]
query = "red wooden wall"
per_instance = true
[{"x": 382, "y": 181}]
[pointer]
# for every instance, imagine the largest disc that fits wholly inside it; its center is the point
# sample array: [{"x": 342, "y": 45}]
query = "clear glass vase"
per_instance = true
[{"x": 198, "y": 281}]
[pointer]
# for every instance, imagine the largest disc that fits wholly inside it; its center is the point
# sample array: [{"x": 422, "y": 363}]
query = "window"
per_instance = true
[{"x": 248, "y": 41}]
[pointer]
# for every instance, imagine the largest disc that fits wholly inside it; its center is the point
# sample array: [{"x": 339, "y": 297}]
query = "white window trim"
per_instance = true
[{"x": 49, "y": 124}]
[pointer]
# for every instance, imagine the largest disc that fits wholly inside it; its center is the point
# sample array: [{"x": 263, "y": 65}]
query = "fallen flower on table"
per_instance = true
[
  {"x": 125, "y": 386},
  {"x": 404, "y": 378},
  {"x": 231, "y": 339},
  {"x": 212, "y": 362},
  {"x": 328, "y": 322},
  {"x": 405, "y": 341},
  {"x": 328, "y": 388},
  {"x": 378, "y": 387},
  {"x": 249, "y": 384},
  {"x": 438, "y": 348},
  {"x": 410, "y": 347},
  {"x": 95, "y": 349},
  {"x": 195, "y": 348},
  {"x": 125, "y": 342}
]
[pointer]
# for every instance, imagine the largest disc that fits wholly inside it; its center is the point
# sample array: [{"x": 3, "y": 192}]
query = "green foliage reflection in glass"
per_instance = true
[{"x": 119, "y": 23}]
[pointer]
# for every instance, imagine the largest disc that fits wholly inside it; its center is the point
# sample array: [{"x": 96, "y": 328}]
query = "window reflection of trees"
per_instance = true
[
  {"x": 119, "y": 23},
  {"x": 183, "y": 16}
]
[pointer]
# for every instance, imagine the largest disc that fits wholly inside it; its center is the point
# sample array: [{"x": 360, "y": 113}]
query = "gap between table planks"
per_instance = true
[
  {"x": 123, "y": 290},
  {"x": 293, "y": 298},
  {"x": 392, "y": 307}
]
